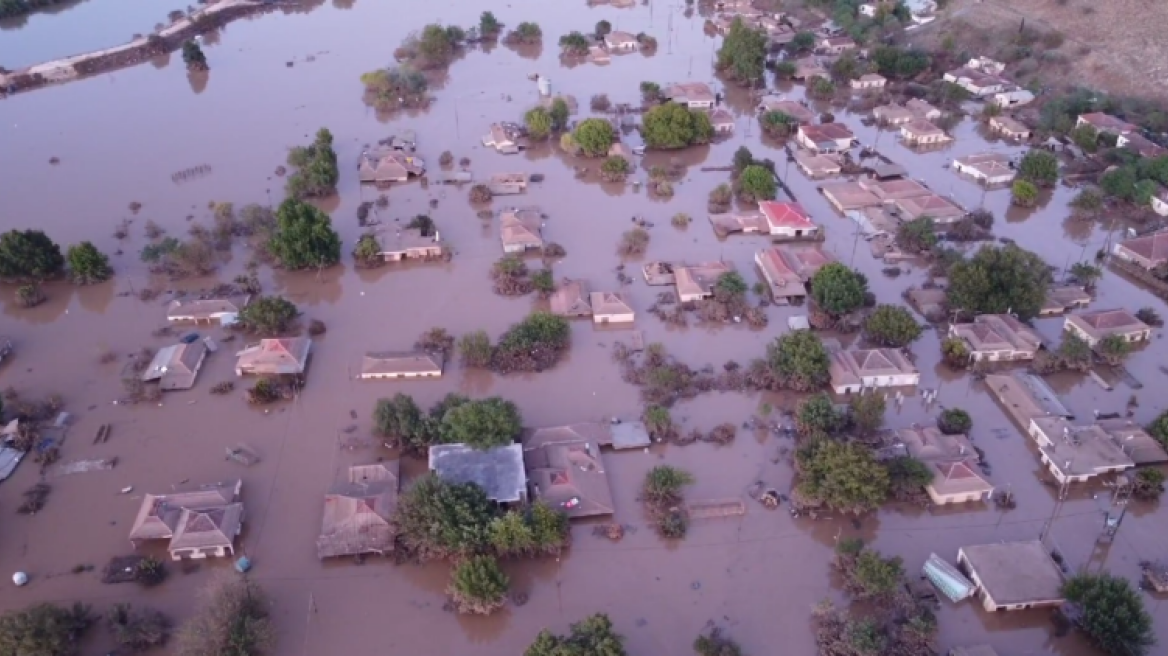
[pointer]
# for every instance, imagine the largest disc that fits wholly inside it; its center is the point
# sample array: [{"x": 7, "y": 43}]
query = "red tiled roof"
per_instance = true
[{"x": 786, "y": 215}]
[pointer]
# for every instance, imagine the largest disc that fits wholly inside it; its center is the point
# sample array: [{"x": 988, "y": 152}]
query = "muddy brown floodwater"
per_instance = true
[{"x": 120, "y": 137}]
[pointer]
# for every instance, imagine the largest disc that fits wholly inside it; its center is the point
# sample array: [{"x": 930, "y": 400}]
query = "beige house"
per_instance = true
[
  {"x": 696, "y": 282},
  {"x": 1134, "y": 441},
  {"x": 957, "y": 482},
  {"x": 748, "y": 223},
  {"x": 1013, "y": 575},
  {"x": 401, "y": 364},
  {"x": 1012, "y": 98},
  {"x": 816, "y": 165},
  {"x": 1092, "y": 327},
  {"x": 845, "y": 196},
  {"x": 507, "y": 138},
  {"x": 836, "y": 45},
  {"x": 787, "y": 219},
  {"x": 867, "y": 369},
  {"x": 199, "y": 524},
  {"x": 783, "y": 282},
  {"x": 571, "y": 299},
  {"x": 175, "y": 367},
  {"x": 997, "y": 338},
  {"x": 1010, "y": 128},
  {"x": 825, "y": 137},
  {"x": 923, "y": 109},
  {"x": 520, "y": 229},
  {"x": 889, "y": 191},
  {"x": 409, "y": 244},
  {"x": 1106, "y": 123},
  {"x": 722, "y": 121},
  {"x": 381, "y": 166},
  {"x": 358, "y": 514},
  {"x": 210, "y": 310},
  {"x": 797, "y": 111},
  {"x": 285, "y": 356},
  {"x": 1075, "y": 454},
  {"x": 695, "y": 95},
  {"x": 892, "y": 115},
  {"x": 618, "y": 41},
  {"x": 935, "y": 207},
  {"x": 1140, "y": 145},
  {"x": 986, "y": 168},
  {"x": 611, "y": 307},
  {"x": 1061, "y": 299},
  {"x": 977, "y": 82},
  {"x": 1148, "y": 252},
  {"x": 869, "y": 81},
  {"x": 508, "y": 184},
  {"x": 920, "y": 132}
]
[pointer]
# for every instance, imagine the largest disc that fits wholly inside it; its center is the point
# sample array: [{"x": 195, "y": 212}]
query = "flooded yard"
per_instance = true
[{"x": 275, "y": 80}]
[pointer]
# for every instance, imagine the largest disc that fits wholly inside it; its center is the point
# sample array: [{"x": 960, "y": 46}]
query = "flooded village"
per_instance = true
[{"x": 789, "y": 327}]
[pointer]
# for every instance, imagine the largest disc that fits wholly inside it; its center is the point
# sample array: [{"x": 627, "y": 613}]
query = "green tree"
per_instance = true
[
  {"x": 658, "y": 422},
  {"x": 1119, "y": 183},
  {"x": 478, "y": 586},
  {"x": 1112, "y": 613},
  {"x": 672, "y": 126},
  {"x": 137, "y": 629},
  {"x": 489, "y": 26},
  {"x": 269, "y": 314},
  {"x": 316, "y": 168},
  {"x": 874, "y": 576},
  {"x": 575, "y": 43},
  {"x": 1113, "y": 349},
  {"x": 1089, "y": 200},
  {"x": 232, "y": 619},
  {"x": 742, "y": 56},
  {"x": 534, "y": 344},
  {"x": 603, "y": 28},
  {"x": 954, "y": 421},
  {"x": 29, "y": 255},
  {"x": 539, "y": 123},
  {"x": 367, "y": 252},
  {"x": 304, "y": 237},
  {"x": 560, "y": 112},
  {"x": 663, "y": 483},
  {"x": 526, "y": 33},
  {"x": 730, "y": 285},
  {"x": 785, "y": 70},
  {"x": 1159, "y": 428},
  {"x": 475, "y": 349},
  {"x": 820, "y": 88},
  {"x": 436, "y": 44},
  {"x": 867, "y": 413},
  {"x": 1023, "y": 193},
  {"x": 1039, "y": 167},
  {"x": 954, "y": 352},
  {"x": 798, "y": 361},
  {"x": 650, "y": 91},
  {"x": 907, "y": 476},
  {"x": 778, "y": 124},
  {"x": 438, "y": 520},
  {"x": 716, "y": 644},
  {"x": 891, "y": 325},
  {"x": 803, "y": 41},
  {"x": 392, "y": 88},
  {"x": 44, "y": 630},
  {"x": 838, "y": 290},
  {"x": 846, "y": 68},
  {"x": 532, "y": 531},
  {"x": 917, "y": 236},
  {"x": 399, "y": 418},
  {"x": 742, "y": 159},
  {"x": 592, "y": 636},
  {"x": 894, "y": 62},
  {"x": 998, "y": 280},
  {"x": 1086, "y": 273},
  {"x": 615, "y": 168},
  {"x": 1149, "y": 484},
  {"x": 594, "y": 136},
  {"x": 842, "y": 476},
  {"x": 1086, "y": 137},
  {"x": 193, "y": 56},
  {"x": 87, "y": 265},
  {"x": 757, "y": 183},
  {"x": 482, "y": 424},
  {"x": 817, "y": 417}
]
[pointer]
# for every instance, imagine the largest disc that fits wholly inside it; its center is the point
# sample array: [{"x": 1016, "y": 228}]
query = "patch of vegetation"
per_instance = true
[
  {"x": 778, "y": 124},
  {"x": 233, "y": 617},
  {"x": 838, "y": 291},
  {"x": 716, "y": 643},
  {"x": 303, "y": 237},
  {"x": 594, "y": 136},
  {"x": 998, "y": 280},
  {"x": 511, "y": 276},
  {"x": 44, "y": 630},
  {"x": 661, "y": 493},
  {"x": 316, "y": 168},
  {"x": 954, "y": 421},
  {"x": 756, "y": 183},
  {"x": 842, "y": 476},
  {"x": 478, "y": 586},
  {"x": 1149, "y": 484},
  {"x": 742, "y": 57},
  {"x": 396, "y": 87},
  {"x": 615, "y": 169},
  {"x": 1023, "y": 193},
  {"x": 87, "y": 265},
  {"x": 592, "y": 636},
  {"x": 138, "y": 628},
  {"x": 525, "y": 33},
  {"x": 671, "y": 126},
  {"x": 1111, "y": 613},
  {"x": 29, "y": 255},
  {"x": 269, "y": 314},
  {"x": 891, "y": 325},
  {"x": 574, "y": 44},
  {"x": 798, "y": 361},
  {"x": 633, "y": 242},
  {"x": 1039, "y": 167},
  {"x": 1072, "y": 354},
  {"x": 535, "y": 344}
]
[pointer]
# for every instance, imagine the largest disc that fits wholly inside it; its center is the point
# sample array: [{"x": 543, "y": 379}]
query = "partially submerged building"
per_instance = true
[
  {"x": 224, "y": 311},
  {"x": 1147, "y": 252},
  {"x": 358, "y": 514},
  {"x": 696, "y": 282},
  {"x": 892, "y": 115},
  {"x": 568, "y": 476},
  {"x": 1075, "y": 454},
  {"x": 1093, "y": 327},
  {"x": 1025, "y": 396},
  {"x": 1061, "y": 299},
  {"x": 986, "y": 168},
  {"x": 784, "y": 284},
  {"x": 284, "y": 356},
  {"x": 507, "y": 138},
  {"x": 199, "y": 524},
  {"x": 978, "y": 82},
  {"x": 1010, "y": 128},
  {"x": 1013, "y": 575},
  {"x": 571, "y": 299},
  {"x": 997, "y": 338},
  {"x": 521, "y": 229},
  {"x": 825, "y": 137},
  {"x": 940, "y": 210},
  {"x": 919, "y": 132},
  {"x": 798, "y": 111},
  {"x": 815, "y": 165},
  {"x": 401, "y": 364},
  {"x": 408, "y": 244},
  {"x": 787, "y": 219},
  {"x": 845, "y": 196},
  {"x": 381, "y": 165},
  {"x": 1106, "y": 123},
  {"x": 611, "y": 307},
  {"x": 869, "y": 81},
  {"x": 618, "y": 41},
  {"x": 923, "y": 109},
  {"x": 619, "y": 435},
  {"x": 498, "y": 471},
  {"x": 888, "y": 191},
  {"x": 176, "y": 367},
  {"x": 721, "y": 120},
  {"x": 1141, "y": 447},
  {"x": 695, "y": 95},
  {"x": 508, "y": 184},
  {"x": 867, "y": 369}
]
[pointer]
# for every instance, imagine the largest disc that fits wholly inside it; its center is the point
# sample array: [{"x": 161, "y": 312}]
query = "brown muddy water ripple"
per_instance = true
[{"x": 119, "y": 138}]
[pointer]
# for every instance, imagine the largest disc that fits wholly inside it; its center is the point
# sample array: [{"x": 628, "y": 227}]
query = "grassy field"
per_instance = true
[{"x": 1120, "y": 46}]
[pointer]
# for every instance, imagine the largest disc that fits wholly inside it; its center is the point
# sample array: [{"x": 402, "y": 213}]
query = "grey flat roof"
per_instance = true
[
  {"x": 1045, "y": 396},
  {"x": 1015, "y": 572},
  {"x": 629, "y": 435},
  {"x": 499, "y": 471}
]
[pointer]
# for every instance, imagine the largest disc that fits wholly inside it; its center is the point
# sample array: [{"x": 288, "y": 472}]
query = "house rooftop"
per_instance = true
[
  {"x": 957, "y": 478},
  {"x": 690, "y": 91},
  {"x": 1153, "y": 247},
  {"x": 571, "y": 299},
  {"x": 795, "y": 110},
  {"x": 932, "y": 205},
  {"x": 1107, "y": 123},
  {"x": 849, "y": 367},
  {"x": 521, "y": 226},
  {"x": 206, "y": 308},
  {"x": 159, "y": 515},
  {"x": 610, "y": 303},
  {"x": 892, "y": 113},
  {"x": 207, "y": 528},
  {"x": 1062, "y": 297},
  {"x": 620, "y": 435},
  {"x": 786, "y": 215},
  {"x": 849, "y": 195},
  {"x": 1104, "y": 323},
  {"x": 287, "y": 355},
  {"x": 988, "y": 164},
  {"x": 918, "y": 106},
  {"x": 929, "y": 444},
  {"x": 1079, "y": 450},
  {"x": 804, "y": 260},
  {"x": 570, "y": 476},
  {"x": 498, "y": 471},
  {"x": 1015, "y": 572},
  {"x": 1010, "y": 124},
  {"x": 1026, "y": 396},
  {"x": 699, "y": 278},
  {"x": 404, "y": 239},
  {"x": 176, "y": 366},
  {"x": 1141, "y": 447},
  {"x": 889, "y": 190},
  {"x": 401, "y": 363},
  {"x": 358, "y": 513},
  {"x": 784, "y": 281},
  {"x": 922, "y": 128},
  {"x": 998, "y": 332},
  {"x": 827, "y": 132}
]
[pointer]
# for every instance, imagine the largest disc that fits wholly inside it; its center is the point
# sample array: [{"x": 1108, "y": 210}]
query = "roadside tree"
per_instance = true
[{"x": 1112, "y": 613}]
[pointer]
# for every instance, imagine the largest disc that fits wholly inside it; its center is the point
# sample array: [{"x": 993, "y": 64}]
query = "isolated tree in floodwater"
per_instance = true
[
  {"x": 304, "y": 237},
  {"x": 742, "y": 56},
  {"x": 269, "y": 314},
  {"x": 838, "y": 290},
  {"x": 798, "y": 361},
  {"x": 594, "y": 136},
  {"x": 29, "y": 255},
  {"x": 316, "y": 168},
  {"x": 44, "y": 629},
  {"x": 478, "y": 586},
  {"x": 87, "y": 265},
  {"x": 592, "y": 636},
  {"x": 1112, "y": 613},
  {"x": 232, "y": 619},
  {"x": 193, "y": 57},
  {"x": 671, "y": 126},
  {"x": 891, "y": 325},
  {"x": 843, "y": 476},
  {"x": 756, "y": 183},
  {"x": 539, "y": 123}
]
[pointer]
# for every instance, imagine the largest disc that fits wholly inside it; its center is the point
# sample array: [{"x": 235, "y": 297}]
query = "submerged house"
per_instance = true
[
  {"x": 695, "y": 95},
  {"x": 409, "y": 244},
  {"x": 284, "y": 356},
  {"x": 987, "y": 168},
  {"x": 358, "y": 514},
  {"x": 520, "y": 229},
  {"x": 783, "y": 282},
  {"x": 856, "y": 371},
  {"x": 508, "y": 184},
  {"x": 953, "y": 461},
  {"x": 611, "y": 307},
  {"x": 798, "y": 111},
  {"x": 696, "y": 282},
  {"x": 997, "y": 338},
  {"x": 210, "y": 310},
  {"x": 893, "y": 115},
  {"x": 571, "y": 299},
  {"x": 920, "y": 132},
  {"x": 568, "y": 475},
  {"x": 1075, "y": 454},
  {"x": 1093, "y": 327},
  {"x": 175, "y": 367},
  {"x": 1146, "y": 252},
  {"x": 507, "y": 138},
  {"x": 380, "y": 166},
  {"x": 787, "y": 219},
  {"x": 199, "y": 524},
  {"x": 498, "y": 471},
  {"x": 825, "y": 137},
  {"x": 1013, "y": 575},
  {"x": 401, "y": 364}
]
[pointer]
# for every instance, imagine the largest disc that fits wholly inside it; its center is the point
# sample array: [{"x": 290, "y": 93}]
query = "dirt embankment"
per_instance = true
[
  {"x": 135, "y": 52},
  {"x": 1116, "y": 46}
]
